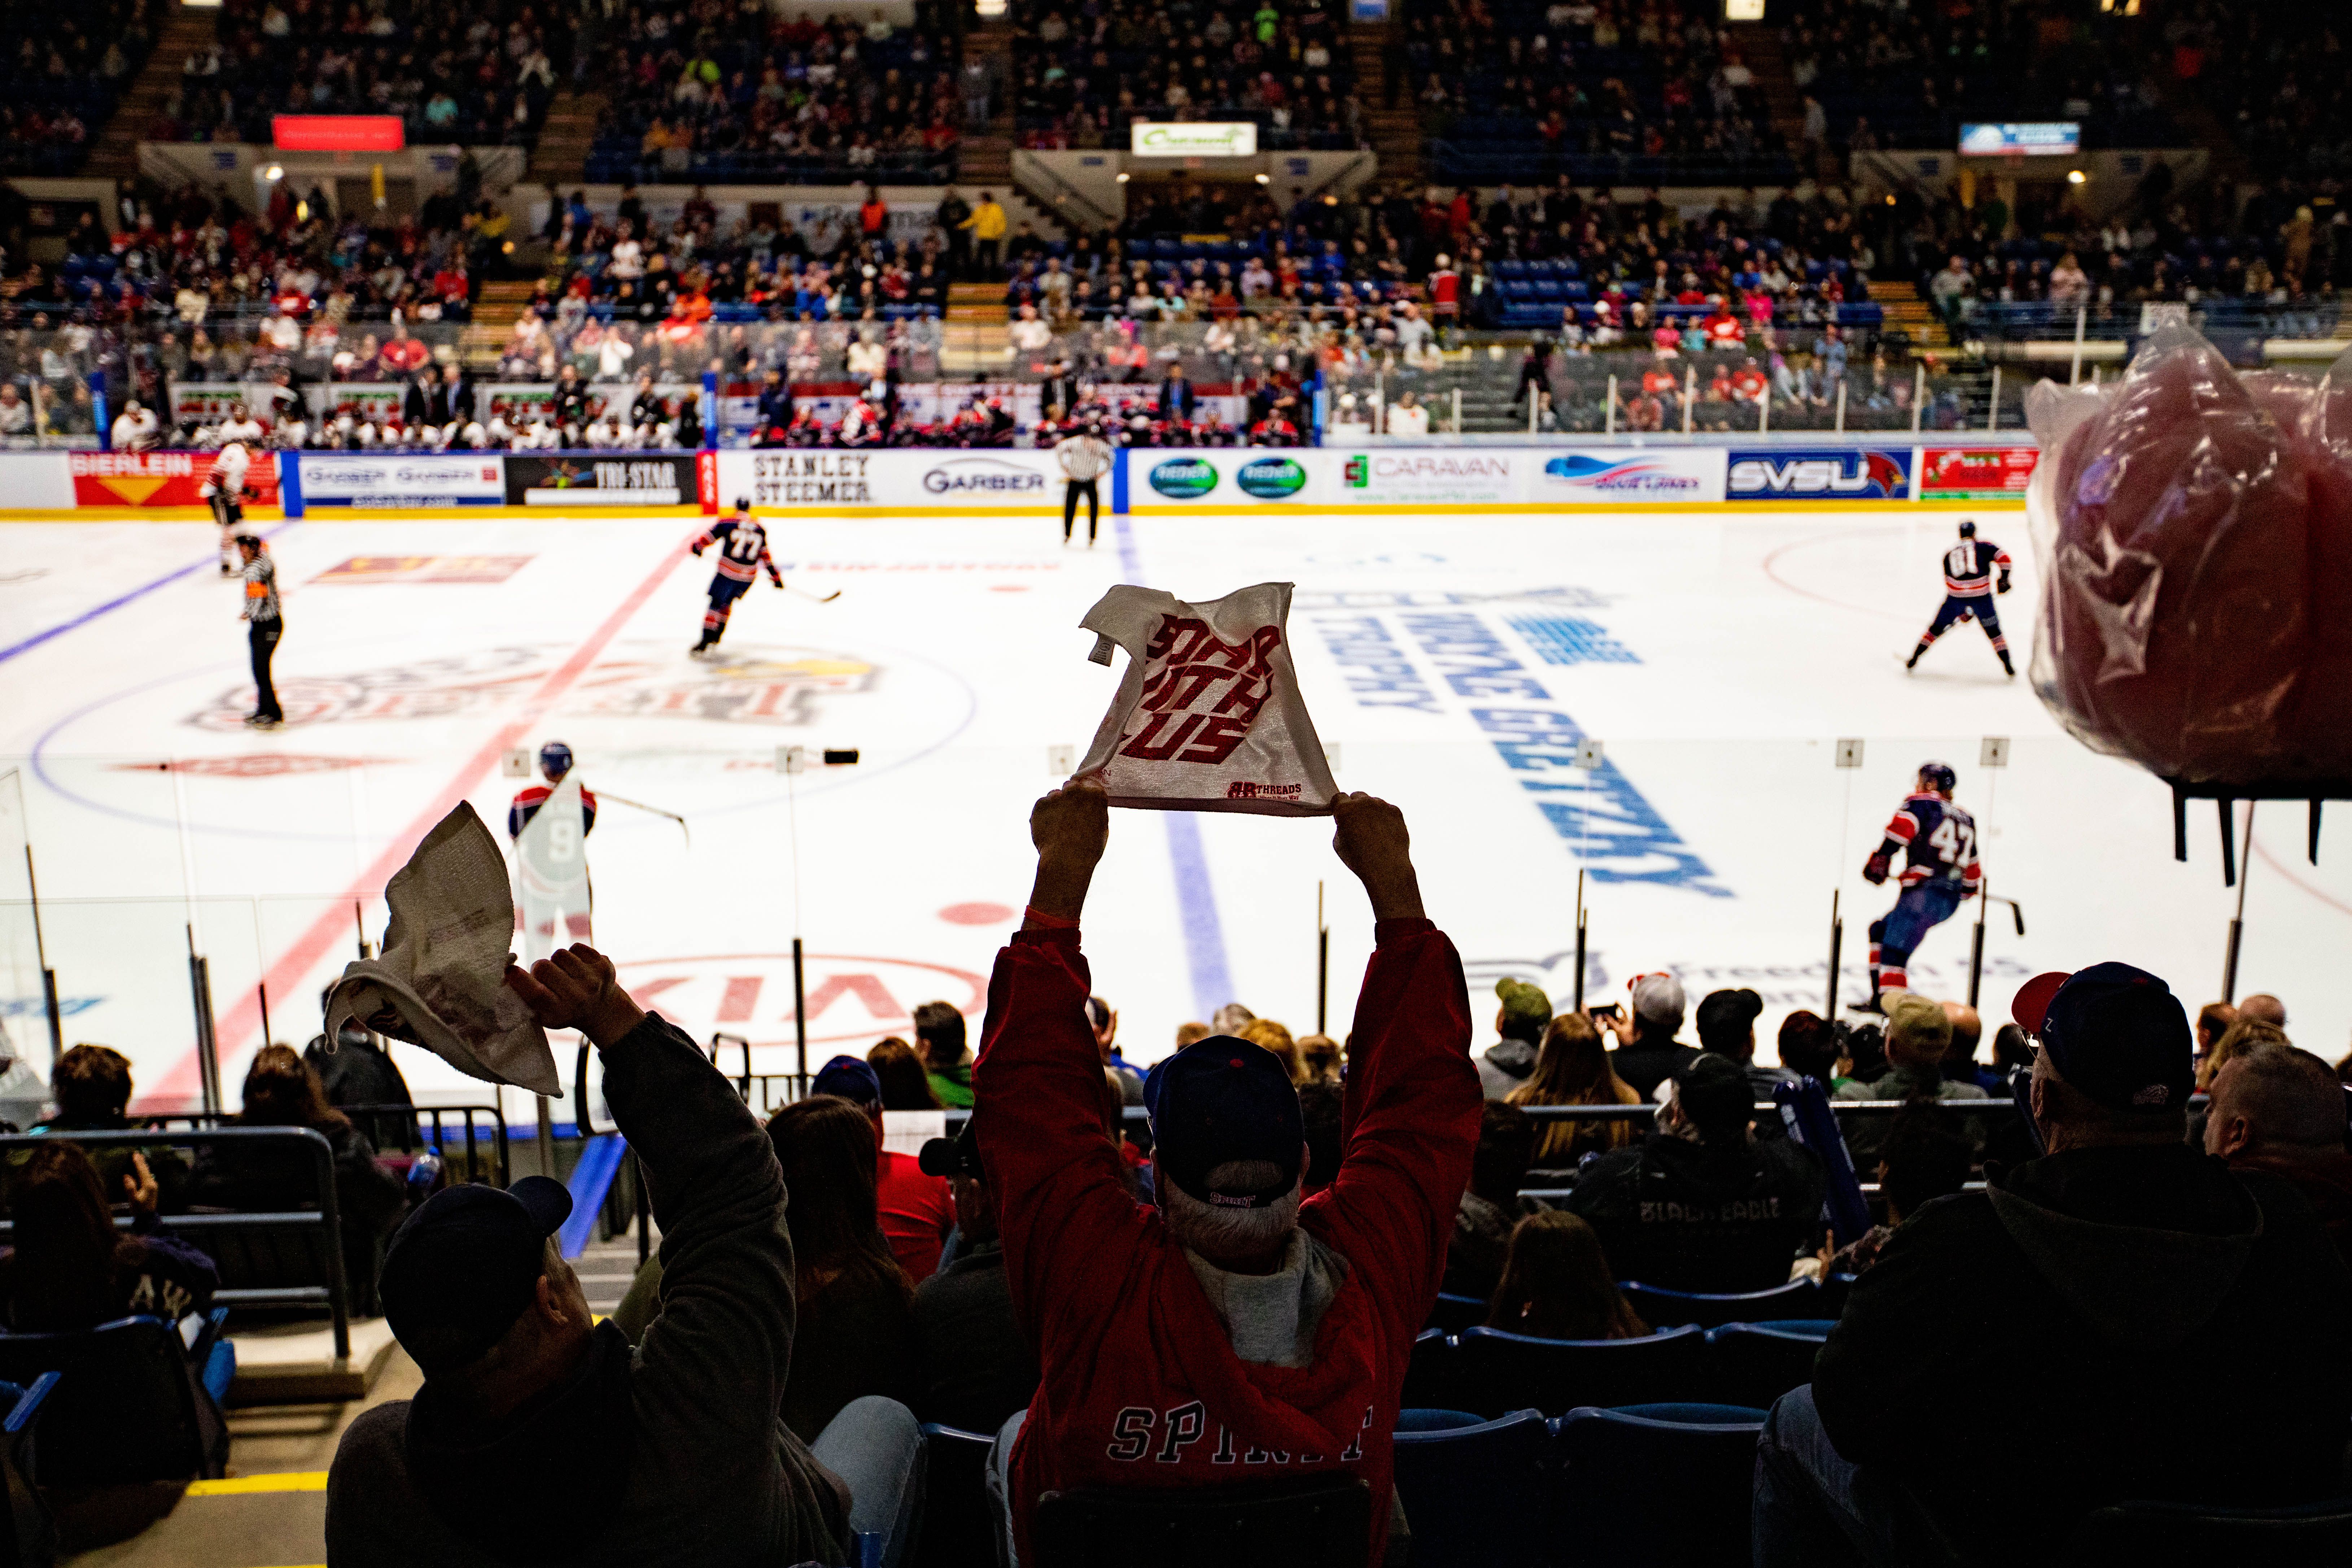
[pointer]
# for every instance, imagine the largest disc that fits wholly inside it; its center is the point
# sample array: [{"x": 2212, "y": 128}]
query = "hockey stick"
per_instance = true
[
  {"x": 815, "y": 598},
  {"x": 657, "y": 810}
]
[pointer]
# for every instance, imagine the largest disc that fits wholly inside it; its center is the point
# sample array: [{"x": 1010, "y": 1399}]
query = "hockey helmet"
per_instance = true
[
  {"x": 1939, "y": 776},
  {"x": 743, "y": 503},
  {"x": 555, "y": 758},
  {"x": 1967, "y": 531}
]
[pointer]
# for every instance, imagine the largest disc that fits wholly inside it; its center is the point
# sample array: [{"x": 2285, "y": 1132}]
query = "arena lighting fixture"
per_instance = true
[
  {"x": 1266, "y": 179},
  {"x": 275, "y": 172},
  {"x": 1121, "y": 176},
  {"x": 2076, "y": 177}
]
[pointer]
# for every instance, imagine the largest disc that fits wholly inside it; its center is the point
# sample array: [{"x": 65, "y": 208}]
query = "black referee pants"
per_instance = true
[
  {"x": 262, "y": 636},
  {"x": 1070, "y": 494}
]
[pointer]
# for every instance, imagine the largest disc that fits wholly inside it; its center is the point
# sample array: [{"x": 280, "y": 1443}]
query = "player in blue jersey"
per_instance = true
[
  {"x": 1939, "y": 843},
  {"x": 1970, "y": 568},
  {"x": 742, "y": 552}
]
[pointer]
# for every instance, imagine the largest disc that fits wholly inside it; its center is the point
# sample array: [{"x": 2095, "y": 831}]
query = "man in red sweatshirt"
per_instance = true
[{"x": 1236, "y": 1333}]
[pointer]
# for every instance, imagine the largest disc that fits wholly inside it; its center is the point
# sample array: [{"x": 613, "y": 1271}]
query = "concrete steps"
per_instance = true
[
  {"x": 1394, "y": 131},
  {"x": 561, "y": 155},
  {"x": 115, "y": 155}
]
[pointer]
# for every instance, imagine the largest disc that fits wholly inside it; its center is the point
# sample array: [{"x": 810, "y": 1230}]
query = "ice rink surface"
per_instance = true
[{"x": 1451, "y": 661}]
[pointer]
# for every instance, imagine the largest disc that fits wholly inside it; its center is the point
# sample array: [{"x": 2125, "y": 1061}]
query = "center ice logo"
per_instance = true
[
  {"x": 1822, "y": 475},
  {"x": 1184, "y": 479},
  {"x": 1271, "y": 479}
]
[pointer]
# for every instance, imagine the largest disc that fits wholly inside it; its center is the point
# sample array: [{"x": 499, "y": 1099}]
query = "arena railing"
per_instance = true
[{"x": 224, "y": 1234}]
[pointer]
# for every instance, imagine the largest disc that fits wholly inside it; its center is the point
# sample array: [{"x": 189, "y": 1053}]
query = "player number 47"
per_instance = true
[{"x": 1955, "y": 844}]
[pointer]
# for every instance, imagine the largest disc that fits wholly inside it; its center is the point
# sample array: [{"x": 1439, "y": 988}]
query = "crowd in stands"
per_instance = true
[
  {"x": 775, "y": 97},
  {"x": 1087, "y": 73},
  {"x": 475, "y": 74},
  {"x": 62, "y": 70},
  {"x": 1522, "y": 90},
  {"x": 2270, "y": 78}
]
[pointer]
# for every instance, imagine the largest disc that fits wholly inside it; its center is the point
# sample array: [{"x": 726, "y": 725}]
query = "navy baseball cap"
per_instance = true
[
  {"x": 2114, "y": 1032},
  {"x": 1222, "y": 1099},
  {"x": 467, "y": 1265},
  {"x": 846, "y": 1077}
]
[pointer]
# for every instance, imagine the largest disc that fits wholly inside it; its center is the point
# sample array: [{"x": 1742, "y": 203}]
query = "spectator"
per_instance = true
[
  {"x": 136, "y": 428},
  {"x": 1220, "y": 1324},
  {"x": 905, "y": 1086},
  {"x": 69, "y": 1269},
  {"x": 358, "y": 1070},
  {"x": 280, "y": 1090},
  {"x": 1918, "y": 1037},
  {"x": 1321, "y": 1108},
  {"x": 92, "y": 1085},
  {"x": 2281, "y": 1111},
  {"x": 977, "y": 1366},
  {"x": 1406, "y": 416},
  {"x": 1726, "y": 1027},
  {"x": 1702, "y": 1203},
  {"x": 939, "y": 1033},
  {"x": 1104, "y": 1020},
  {"x": 1557, "y": 1285},
  {"x": 1525, "y": 1014},
  {"x": 1272, "y": 1038},
  {"x": 1809, "y": 1048},
  {"x": 1176, "y": 399},
  {"x": 1919, "y": 1160},
  {"x": 2262, "y": 1007},
  {"x": 2023, "y": 1319},
  {"x": 1574, "y": 1070},
  {"x": 1647, "y": 1053},
  {"x": 1960, "y": 1065},
  {"x": 2237, "y": 1039},
  {"x": 854, "y": 1333},
  {"x": 1319, "y": 1060},
  {"x": 912, "y": 1206},
  {"x": 1491, "y": 1205},
  {"x": 2213, "y": 1021},
  {"x": 987, "y": 225},
  {"x": 536, "y": 1434}
]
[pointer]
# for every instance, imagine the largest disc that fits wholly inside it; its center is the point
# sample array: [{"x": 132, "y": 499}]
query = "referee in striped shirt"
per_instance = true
[
  {"x": 264, "y": 626},
  {"x": 1083, "y": 454}
]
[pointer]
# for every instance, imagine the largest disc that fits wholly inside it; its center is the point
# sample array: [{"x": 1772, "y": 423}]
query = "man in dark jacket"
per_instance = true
[
  {"x": 1703, "y": 1203},
  {"x": 537, "y": 1437},
  {"x": 1525, "y": 1015},
  {"x": 2279, "y": 1109},
  {"x": 2122, "y": 1317},
  {"x": 977, "y": 1366},
  {"x": 1647, "y": 1053}
]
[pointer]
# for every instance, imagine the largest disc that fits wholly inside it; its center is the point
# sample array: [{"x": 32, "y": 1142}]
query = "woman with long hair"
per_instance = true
[
  {"x": 855, "y": 1333},
  {"x": 70, "y": 1269},
  {"x": 1557, "y": 1284},
  {"x": 1572, "y": 1069},
  {"x": 281, "y": 1089},
  {"x": 906, "y": 1085}
]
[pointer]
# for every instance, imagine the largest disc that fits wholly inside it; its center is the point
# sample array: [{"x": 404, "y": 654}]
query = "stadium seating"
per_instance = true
[
  {"x": 1454, "y": 1313},
  {"x": 2185, "y": 1536},
  {"x": 130, "y": 1405},
  {"x": 1307, "y": 1521},
  {"x": 1473, "y": 1491},
  {"x": 958, "y": 1530},
  {"x": 1671, "y": 1308},
  {"x": 1491, "y": 1372},
  {"x": 62, "y": 71},
  {"x": 27, "y": 1533},
  {"x": 1755, "y": 1364},
  {"x": 1656, "y": 1483}
]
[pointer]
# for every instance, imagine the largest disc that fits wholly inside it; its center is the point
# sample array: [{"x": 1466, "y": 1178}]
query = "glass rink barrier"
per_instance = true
[{"x": 184, "y": 909}]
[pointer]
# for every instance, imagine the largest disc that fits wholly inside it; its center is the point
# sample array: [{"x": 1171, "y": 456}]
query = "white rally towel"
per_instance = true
[
  {"x": 1207, "y": 716},
  {"x": 441, "y": 981},
  {"x": 551, "y": 865}
]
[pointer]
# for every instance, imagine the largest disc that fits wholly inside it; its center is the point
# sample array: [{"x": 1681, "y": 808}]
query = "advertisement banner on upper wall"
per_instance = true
[
  {"x": 161, "y": 478},
  {"x": 1819, "y": 473},
  {"x": 1602, "y": 475},
  {"x": 588, "y": 480},
  {"x": 1976, "y": 473},
  {"x": 401, "y": 479}
]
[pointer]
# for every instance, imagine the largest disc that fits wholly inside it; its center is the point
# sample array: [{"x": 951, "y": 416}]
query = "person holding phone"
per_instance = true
[{"x": 1647, "y": 1053}]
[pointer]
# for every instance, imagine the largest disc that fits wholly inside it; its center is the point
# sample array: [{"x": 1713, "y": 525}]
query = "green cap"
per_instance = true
[{"x": 1523, "y": 1005}]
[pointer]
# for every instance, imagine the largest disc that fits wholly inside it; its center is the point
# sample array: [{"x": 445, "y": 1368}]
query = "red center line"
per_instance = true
[{"x": 334, "y": 925}]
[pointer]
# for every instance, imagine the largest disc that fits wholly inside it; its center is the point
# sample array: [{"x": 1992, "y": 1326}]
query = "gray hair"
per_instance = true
[
  {"x": 1230, "y": 1018},
  {"x": 1215, "y": 1232}
]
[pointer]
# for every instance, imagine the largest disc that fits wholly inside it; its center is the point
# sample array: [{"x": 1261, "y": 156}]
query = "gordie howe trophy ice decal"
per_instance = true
[{"x": 1207, "y": 716}]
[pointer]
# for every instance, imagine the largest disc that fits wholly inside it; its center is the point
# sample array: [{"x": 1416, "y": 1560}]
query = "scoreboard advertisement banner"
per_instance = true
[{"x": 1976, "y": 473}]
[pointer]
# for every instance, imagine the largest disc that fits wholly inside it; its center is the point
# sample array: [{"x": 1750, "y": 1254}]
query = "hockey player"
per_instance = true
[
  {"x": 224, "y": 491},
  {"x": 554, "y": 762},
  {"x": 743, "y": 554},
  {"x": 1969, "y": 570},
  {"x": 1939, "y": 843}
]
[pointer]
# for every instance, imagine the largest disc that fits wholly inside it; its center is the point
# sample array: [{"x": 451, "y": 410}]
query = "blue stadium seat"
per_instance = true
[
  {"x": 28, "y": 1535},
  {"x": 2185, "y": 1536},
  {"x": 1428, "y": 1376},
  {"x": 131, "y": 1407},
  {"x": 1313, "y": 1521},
  {"x": 958, "y": 1529},
  {"x": 1755, "y": 1364},
  {"x": 1455, "y": 1313},
  {"x": 1663, "y": 1309},
  {"x": 1656, "y": 1483},
  {"x": 1493, "y": 1371},
  {"x": 1473, "y": 1491}
]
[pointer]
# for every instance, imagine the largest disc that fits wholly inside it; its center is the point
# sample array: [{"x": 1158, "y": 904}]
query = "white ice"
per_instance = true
[{"x": 1750, "y": 647}]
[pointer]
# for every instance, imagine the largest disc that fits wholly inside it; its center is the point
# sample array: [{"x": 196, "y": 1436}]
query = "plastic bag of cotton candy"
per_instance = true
[{"x": 2194, "y": 531}]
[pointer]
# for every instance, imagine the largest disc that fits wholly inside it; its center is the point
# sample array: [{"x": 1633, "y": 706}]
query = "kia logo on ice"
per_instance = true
[{"x": 992, "y": 475}]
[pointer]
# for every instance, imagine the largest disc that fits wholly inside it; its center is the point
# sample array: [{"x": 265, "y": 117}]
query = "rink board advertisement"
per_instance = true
[
  {"x": 397, "y": 480},
  {"x": 577, "y": 480},
  {"x": 1615, "y": 476},
  {"x": 1818, "y": 473},
  {"x": 161, "y": 478},
  {"x": 918, "y": 480},
  {"x": 1976, "y": 473},
  {"x": 36, "y": 481}
]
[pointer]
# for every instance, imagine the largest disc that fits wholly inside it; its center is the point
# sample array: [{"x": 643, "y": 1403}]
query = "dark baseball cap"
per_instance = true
[
  {"x": 1715, "y": 1094},
  {"x": 1728, "y": 1012},
  {"x": 956, "y": 1157},
  {"x": 1218, "y": 1100},
  {"x": 846, "y": 1077},
  {"x": 2114, "y": 1032},
  {"x": 467, "y": 1265}
]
